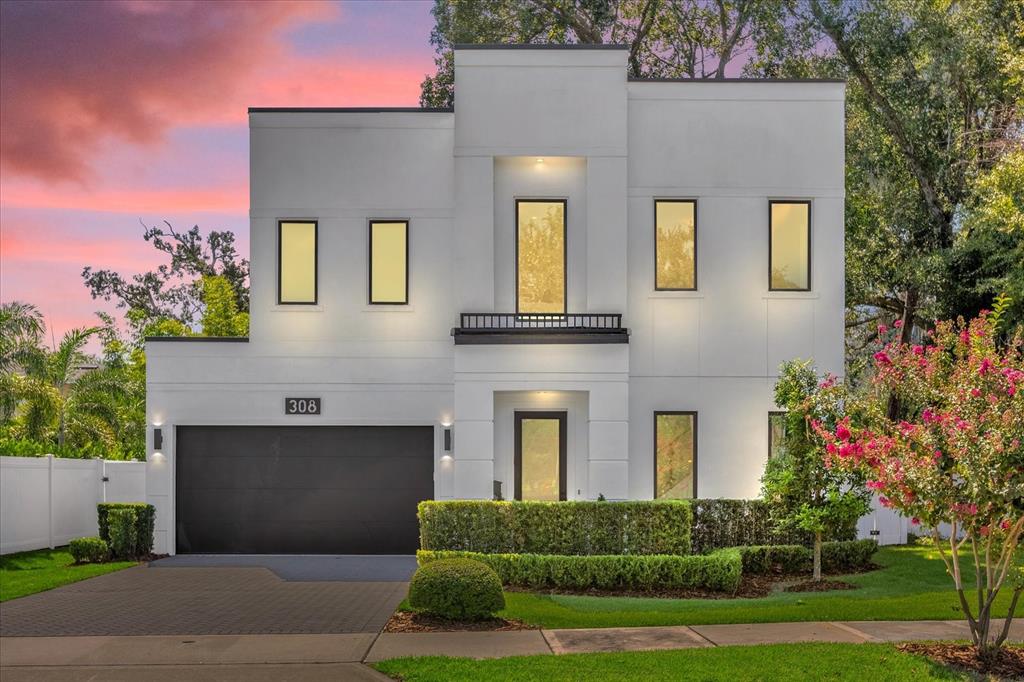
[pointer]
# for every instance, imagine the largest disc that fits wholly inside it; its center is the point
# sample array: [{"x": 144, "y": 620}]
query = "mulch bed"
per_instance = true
[
  {"x": 408, "y": 621},
  {"x": 820, "y": 586},
  {"x": 1009, "y": 665}
]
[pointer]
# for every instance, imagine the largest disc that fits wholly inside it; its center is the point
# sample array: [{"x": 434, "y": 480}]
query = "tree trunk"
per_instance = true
[
  {"x": 817, "y": 557},
  {"x": 909, "y": 312}
]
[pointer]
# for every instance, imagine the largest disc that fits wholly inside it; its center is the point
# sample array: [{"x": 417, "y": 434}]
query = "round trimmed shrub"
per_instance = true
[
  {"x": 459, "y": 589},
  {"x": 89, "y": 550}
]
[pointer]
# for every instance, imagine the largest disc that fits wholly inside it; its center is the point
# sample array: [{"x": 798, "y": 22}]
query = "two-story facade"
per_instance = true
[{"x": 572, "y": 285}]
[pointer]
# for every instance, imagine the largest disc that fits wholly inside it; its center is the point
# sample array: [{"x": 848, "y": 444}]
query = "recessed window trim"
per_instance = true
[
  {"x": 316, "y": 260},
  {"x": 771, "y": 415},
  {"x": 565, "y": 250},
  {"x": 659, "y": 413},
  {"x": 369, "y": 261},
  {"x": 675, "y": 200},
  {"x": 772, "y": 202}
]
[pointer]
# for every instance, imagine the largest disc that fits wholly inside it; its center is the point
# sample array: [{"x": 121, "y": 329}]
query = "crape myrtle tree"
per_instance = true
[
  {"x": 801, "y": 488},
  {"x": 954, "y": 455}
]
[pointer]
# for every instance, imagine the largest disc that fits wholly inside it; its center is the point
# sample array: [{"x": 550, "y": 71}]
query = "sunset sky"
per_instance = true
[{"x": 116, "y": 112}]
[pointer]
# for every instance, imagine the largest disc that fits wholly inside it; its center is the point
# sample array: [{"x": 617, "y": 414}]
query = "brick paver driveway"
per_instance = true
[{"x": 302, "y": 595}]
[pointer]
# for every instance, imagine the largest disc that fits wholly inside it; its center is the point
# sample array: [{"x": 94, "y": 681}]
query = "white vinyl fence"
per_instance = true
[
  {"x": 47, "y": 501},
  {"x": 883, "y": 525}
]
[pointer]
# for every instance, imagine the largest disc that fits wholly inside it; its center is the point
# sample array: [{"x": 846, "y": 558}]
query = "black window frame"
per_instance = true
[
  {"x": 673, "y": 200},
  {"x": 772, "y": 414},
  {"x": 659, "y": 413},
  {"x": 316, "y": 259},
  {"x": 369, "y": 260},
  {"x": 565, "y": 251},
  {"x": 562, "y": 416},
  {"x": 810, "y": 234}
]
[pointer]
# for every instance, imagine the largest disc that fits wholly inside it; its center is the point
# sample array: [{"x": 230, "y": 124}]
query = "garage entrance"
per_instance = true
[{"x": 301, "y": 489}]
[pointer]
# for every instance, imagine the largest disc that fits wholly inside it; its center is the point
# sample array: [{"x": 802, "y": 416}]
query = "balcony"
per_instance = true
[{"x": 510, "y": 328}]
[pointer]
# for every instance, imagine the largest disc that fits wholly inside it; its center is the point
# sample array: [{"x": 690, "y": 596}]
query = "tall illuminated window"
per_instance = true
[
  {"x": 296, "y": 263},
  {"x": 675, "y": 244},
  {"x": 540, "y": 256},
  {"x": 789, "y": 258},
  {"x": 675, "y": 455},
  {"x": 389, "y": 262}
]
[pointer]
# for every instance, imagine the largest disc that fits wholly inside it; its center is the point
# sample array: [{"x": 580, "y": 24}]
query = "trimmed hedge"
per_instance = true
[
  {"x": 562, "y": 528},
  {"x": 836, "y": 557},
  {"x": 89, "y": 550},
  {"x": 848, "y": 555},
  {"x": 732, "y": 523},
  {"x": 720, "y": 570},
  {"x": 142, "y": 517},
  {"x": 457, "y": 588}
]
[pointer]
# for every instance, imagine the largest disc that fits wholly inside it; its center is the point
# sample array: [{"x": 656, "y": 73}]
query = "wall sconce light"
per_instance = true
[
  {"x": 448, "y": 439},
  {"x": 158, "y": 439},
  {"x": 540, "y": 160},
  {"x": 158, "y": 457}
]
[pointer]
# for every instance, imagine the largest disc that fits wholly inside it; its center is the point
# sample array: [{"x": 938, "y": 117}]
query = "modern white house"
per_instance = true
[{"x": 572, "y": 285}]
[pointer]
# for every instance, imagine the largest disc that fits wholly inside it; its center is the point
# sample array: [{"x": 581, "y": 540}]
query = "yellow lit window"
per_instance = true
[
  {"x": 540, "y": 442},
  {"x": 540, "y": 257},
  {"x": 389, "y": 261},
  {"x": 790, "y": 257},
  {"x": 297, "y": 262},
  {"x": 675, "y": 455},
  {"x": 675, "y": 245}
]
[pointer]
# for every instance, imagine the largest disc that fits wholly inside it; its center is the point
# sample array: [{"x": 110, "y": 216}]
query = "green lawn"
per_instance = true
[
  {"x": 913, "y": 585},
  {"x": 30, "y": 572},
  {"x": 773, "y": 662}
]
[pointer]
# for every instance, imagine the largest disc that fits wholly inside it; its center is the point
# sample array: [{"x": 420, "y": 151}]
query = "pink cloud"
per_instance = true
[
  {"x": 75, "y": 73},
  {"x": 231, "y": 198}
]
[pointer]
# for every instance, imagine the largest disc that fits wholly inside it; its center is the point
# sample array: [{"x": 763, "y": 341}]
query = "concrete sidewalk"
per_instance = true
[
  {"x": 593, "y": 640},
  {"x": 307, "y": 657}
]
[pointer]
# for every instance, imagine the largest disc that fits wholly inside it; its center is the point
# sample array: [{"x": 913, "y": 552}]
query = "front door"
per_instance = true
[{"x": 540, "y": 456}]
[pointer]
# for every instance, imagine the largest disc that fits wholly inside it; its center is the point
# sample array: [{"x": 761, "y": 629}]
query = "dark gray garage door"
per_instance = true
[{"x": 301, "y": 490}]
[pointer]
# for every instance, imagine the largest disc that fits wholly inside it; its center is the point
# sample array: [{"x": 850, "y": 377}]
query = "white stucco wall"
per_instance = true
[
  {"x": 609, "y": 147},
  {"x": 731, "y": 147}
]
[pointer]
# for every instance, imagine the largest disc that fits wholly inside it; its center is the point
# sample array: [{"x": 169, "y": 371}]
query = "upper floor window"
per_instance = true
[
  {"x": 296, "y": 262},
  {"x": 675, "y": 455},
  {"x": 389, "y": 262},
  {"x": 789, "y": 258},
  {"x": 776, "y": 434},
  {"x": 540, "y": 256},
  {"x": 675, "y": 244}
]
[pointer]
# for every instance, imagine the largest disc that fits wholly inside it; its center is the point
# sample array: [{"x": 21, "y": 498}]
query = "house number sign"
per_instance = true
[{"x": 302, "y": 405}]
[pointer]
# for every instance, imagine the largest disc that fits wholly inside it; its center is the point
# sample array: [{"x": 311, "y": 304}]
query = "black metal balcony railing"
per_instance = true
[{"x": 489, "y": 328}]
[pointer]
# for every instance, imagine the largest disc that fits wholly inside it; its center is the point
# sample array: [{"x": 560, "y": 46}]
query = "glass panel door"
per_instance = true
[{"x": 540, "y": 456}]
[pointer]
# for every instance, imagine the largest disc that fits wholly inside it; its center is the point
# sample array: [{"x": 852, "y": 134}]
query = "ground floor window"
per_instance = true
[
  {"x": 776, "y": 434},
  {"x": 675, "y": 455}
]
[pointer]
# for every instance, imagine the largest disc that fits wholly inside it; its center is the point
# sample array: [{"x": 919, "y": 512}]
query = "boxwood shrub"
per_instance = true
[
  {"x": 720, "y": 570},
  {"x": 721, "y": 523},
  {"x": 836, "y": 557},
  {"x": 562, "y": 528},
  {"x": 141, "y": 516},
  {"x": 456, "y": 588},
  {"x": 89, "y": 550}
]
